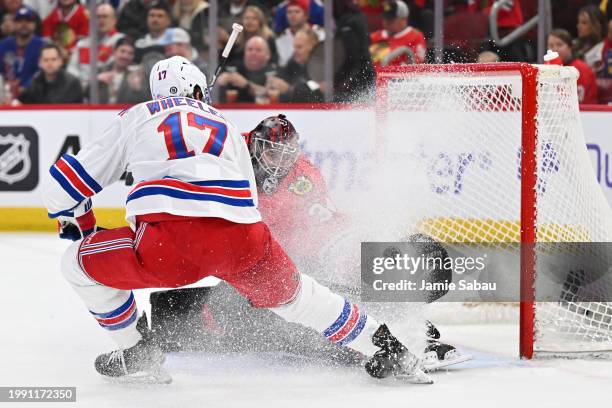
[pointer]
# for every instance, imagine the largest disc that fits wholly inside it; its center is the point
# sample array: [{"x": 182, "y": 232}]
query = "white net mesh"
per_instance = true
[
  {"x": 461, "y": 130},
  {"x": 571, "y": 207}
]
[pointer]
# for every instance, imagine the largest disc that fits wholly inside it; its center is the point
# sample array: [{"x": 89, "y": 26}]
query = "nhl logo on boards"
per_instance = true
[
  {"x": 18, "y": 159},
  {"x": 15, "y": 156}
]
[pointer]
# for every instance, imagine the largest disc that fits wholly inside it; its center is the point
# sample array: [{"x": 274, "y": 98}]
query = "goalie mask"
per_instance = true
[{"x": 274, "y": 149}]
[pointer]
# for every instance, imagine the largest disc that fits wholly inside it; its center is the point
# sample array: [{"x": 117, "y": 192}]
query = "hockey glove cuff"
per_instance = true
[{"x": 80, "y": 225}]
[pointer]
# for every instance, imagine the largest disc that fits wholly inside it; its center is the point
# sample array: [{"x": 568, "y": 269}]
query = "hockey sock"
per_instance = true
[{"x": 339, "y": 320}]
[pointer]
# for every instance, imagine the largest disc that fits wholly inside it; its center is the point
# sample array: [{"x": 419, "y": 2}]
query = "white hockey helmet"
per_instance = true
[{"x": 177, "y": 76}]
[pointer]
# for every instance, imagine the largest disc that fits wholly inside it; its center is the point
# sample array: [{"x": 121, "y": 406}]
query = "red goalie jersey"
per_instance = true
[{"x": 299, "y": 213}]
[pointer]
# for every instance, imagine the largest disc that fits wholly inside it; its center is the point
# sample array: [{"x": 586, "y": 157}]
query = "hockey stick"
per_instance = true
[{"x": 236, "y": 30}]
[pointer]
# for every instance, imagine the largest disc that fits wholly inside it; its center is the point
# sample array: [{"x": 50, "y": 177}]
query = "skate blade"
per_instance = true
[
  {"x": 153, "y": 377},
  {"x": 438, "y": 364}
]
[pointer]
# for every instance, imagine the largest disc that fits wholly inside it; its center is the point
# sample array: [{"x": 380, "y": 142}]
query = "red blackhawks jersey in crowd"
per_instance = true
[
  {"x": 66, "y": 29},
  {"x": 300, "y": 214},
  {"x": 383, "y": 44}
]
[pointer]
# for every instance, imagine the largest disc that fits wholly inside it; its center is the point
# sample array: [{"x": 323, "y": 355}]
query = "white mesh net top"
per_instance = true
[{"x": 469, "y": 127}]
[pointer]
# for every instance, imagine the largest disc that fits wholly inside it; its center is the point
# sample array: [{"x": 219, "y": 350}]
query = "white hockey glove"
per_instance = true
[{"x": 80, "y": 224}]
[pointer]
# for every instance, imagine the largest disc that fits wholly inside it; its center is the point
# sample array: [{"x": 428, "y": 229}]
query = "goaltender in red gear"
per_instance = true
[
  {"x": 294, "y": 202},
  {"x": 293, "y": 194}
]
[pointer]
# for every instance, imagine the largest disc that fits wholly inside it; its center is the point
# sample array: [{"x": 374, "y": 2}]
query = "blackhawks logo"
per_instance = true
[{"x": 301, "y": 186}]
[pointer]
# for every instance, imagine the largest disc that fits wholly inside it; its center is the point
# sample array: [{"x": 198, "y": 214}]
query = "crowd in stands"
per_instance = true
[{"x": 45, "y": 48}]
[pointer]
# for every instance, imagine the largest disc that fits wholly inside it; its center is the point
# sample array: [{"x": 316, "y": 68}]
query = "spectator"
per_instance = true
[
  {"x": 159, "y": 20},
  {"x": 108, "y": 36},
  {"x": 52, "y": 84},
  {"x": 249, "y": 79},
  {"x": 422, "y": 15},
  {"x": 606, "y": 54},
  {"x": 230, "y": 11},
  {"x": 560, "y": 41},
  {"x": 123, "y": 82},
  {"x": 565, "y": 13},
  {"x": 133, "y": 18},
  {"x": 356, "y": 74},
  {"x": 179, "y": 43},
  {"x": 42, "y": 7},
  {"x": 7, "y": 16},
  {"x": 395, "y": 35},
  {"x": 297, "y": 17},
  {"x": 67, "y": 23},
  {"x": 255, "y": 24},
  {"x": 315, "y": 14},
  {"x": 294, "y": 84},
  {"x": 19, "y": 53},
  {"x": 487, "y": 57},
  {"x": 592, "y": 29},
  {"x": 509, "y": 17},
  {"x": 192, "y": 16}
]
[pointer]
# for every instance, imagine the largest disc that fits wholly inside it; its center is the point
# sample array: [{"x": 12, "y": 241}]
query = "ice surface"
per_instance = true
[{"x": 49, "y": 339}]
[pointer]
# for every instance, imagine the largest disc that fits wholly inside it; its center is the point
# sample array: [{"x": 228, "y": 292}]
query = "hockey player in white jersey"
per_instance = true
[{"x": 192, "y": 214}]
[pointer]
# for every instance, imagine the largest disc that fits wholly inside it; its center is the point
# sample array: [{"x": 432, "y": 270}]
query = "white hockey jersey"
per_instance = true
[{"x": 186, "y": 158}]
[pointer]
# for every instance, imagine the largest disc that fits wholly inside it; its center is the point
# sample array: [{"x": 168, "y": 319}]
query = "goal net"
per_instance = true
[{"x": 503, "y": 160}]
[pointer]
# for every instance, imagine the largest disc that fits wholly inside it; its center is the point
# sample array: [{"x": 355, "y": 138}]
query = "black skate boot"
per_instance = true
[
  {"x": 431, "y": 330},
  {"x": 437, "y": 354},
  {"x": 394, "y": 359},
  {"x": 141, "y": 363}
]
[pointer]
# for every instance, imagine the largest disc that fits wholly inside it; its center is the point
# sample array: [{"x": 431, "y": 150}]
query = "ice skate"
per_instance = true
[
  {"x": 141, "y": 363},
  {"x": 394, "y": 359},
  {"x": 439, "y": 355}
]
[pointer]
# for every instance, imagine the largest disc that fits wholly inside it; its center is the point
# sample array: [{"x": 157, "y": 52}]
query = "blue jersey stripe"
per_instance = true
[
  {"x": 66, "y": 213},
  {"x": 346, "y": 311},
  {"x": 355, "y": 332},
  {"x": 216, "y": 183},
  {"x": 118, "y": 310},
  {"x": 63, "y": 182},
  {"x": 188, "y": 195},
  {"x": 82, "y": 173},
  {"x": 223, "y": 183}
]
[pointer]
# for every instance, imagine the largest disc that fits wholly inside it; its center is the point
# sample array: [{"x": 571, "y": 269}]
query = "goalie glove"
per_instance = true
[{"x": 80, "y": 224}]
